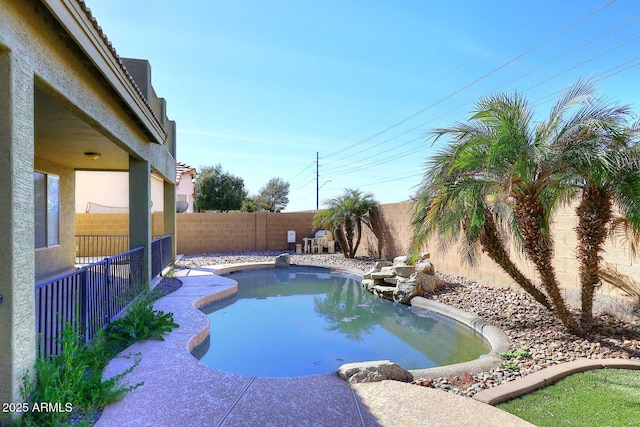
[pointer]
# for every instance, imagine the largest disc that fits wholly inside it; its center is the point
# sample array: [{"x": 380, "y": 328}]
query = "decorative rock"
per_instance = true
[
  {"x": 381, "y": 264},
  {"x": 423, "y": 256},
  {"x": 383, "y": 273},
  {"x": 404, "y": 270},
  {"x": 385, "y": 292},
  {"x": 425, "y": 267},
  {"x": 400, "y": 260},
  {"x": 378, "y": 370},
  {"x": 368, "y": 284},
  {"x": 427, "y": 282},
  {"x": 405, "y": 290},
  {"x": 282, "y": 261},
  {"x": 391, "y": 280},
  {"x": 368, "y": 274}
]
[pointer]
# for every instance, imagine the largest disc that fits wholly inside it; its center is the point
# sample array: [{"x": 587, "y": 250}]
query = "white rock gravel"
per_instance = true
[{"x": 527, "y": 324}]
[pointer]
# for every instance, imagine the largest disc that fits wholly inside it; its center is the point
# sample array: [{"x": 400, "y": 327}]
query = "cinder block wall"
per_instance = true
[
  {"x": 240, "y": 232},
  {"x": 397, "y": 218}
]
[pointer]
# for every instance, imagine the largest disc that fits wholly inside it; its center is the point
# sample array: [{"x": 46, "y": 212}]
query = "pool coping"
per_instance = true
[{"x": 498, "y": 340}]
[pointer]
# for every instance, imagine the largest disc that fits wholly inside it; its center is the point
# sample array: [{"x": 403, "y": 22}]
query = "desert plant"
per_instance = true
[
  {"x": 140, "y": 322},
  {"x": 503, "y": 166},
  {"x": 345, "y": 216},
  {"x": 72, "y": 379}
]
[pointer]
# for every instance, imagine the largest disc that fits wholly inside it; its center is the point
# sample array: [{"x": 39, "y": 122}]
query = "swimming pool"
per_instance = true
[{"x": 307, "y": 320}]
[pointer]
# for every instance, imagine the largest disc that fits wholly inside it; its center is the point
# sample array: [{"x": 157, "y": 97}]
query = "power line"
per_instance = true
[{"x": 468, "y": 85}]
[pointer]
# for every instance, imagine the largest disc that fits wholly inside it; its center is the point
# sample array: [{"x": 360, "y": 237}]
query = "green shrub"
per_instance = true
[
  {"x": 141, "y": 322},
  {"x": 73, "y": 380}
]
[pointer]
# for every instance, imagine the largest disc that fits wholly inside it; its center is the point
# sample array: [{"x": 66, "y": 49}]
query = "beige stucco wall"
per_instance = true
[
  {"x": 17, "y": 263},
  {"x": 35, "y": 53},
  {"x": 109, "y": 188},
  {"x": 58, "y": 258}
]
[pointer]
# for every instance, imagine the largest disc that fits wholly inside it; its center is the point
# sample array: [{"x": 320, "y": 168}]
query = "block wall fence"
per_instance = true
[
  {"x": 397, "y": 217},
  {"x": 260, "y": 231}
]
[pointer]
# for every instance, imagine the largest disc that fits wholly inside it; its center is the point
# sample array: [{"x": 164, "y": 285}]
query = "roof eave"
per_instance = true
[{"x": 75, "y": 20}]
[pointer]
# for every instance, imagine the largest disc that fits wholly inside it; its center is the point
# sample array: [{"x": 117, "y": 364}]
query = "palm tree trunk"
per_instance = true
[
  {"x": 530, "y": 213},
  {"x": 492, "y": 245},
  {"x": 338, "y": 232},
  {"x": 348, "y": 226},
  {"x": 358, "y": 235},
  {"x": 594, "y": 213}
]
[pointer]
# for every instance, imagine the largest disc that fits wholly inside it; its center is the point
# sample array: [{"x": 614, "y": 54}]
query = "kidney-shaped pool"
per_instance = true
[{"x": 307, "y": 320}]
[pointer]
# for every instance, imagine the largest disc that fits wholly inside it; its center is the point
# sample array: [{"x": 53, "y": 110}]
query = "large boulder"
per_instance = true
[
  {"x": 378, "y": 370},
  {"x": 383, "y": 273},
  {"x": 427, "y": 282},
  {"x": 425, "y": 267},
  {"x": 404, "y": 270},
  {"x": 406, "y": 289},
  {"x": 402, "y": 259},
  {"x": 282, "y": 261}
]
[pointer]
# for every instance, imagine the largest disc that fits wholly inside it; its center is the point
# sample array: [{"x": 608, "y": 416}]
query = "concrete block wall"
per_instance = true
[
  {"x": 397, "y": 218},
  {"x": 239, "y": 232}
]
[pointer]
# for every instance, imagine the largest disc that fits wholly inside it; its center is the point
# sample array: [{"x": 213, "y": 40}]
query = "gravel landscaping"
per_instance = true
[{"x": 528, "y": 325}]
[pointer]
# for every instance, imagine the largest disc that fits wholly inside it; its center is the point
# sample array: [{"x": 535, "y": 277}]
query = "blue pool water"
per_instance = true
[{"x": 304, "y": 320}]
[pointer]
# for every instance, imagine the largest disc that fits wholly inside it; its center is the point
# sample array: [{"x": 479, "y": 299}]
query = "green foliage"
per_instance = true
[
  {"x": 141, "y": 322},
  {"x": 250, "y": 204},
  {"x": 514, "y": 357},
  {"x": 72, "y": 379},
  {"x": 345, "y": 217},
  {"x": 503, "y": 174},
  {"x": 521, "y": 353},
  {"x": 75, "y": 375},
  {"x": 274, "y": 196},
  {"x": 219, "y": 190},
  {"x": 603, "y": 397}
]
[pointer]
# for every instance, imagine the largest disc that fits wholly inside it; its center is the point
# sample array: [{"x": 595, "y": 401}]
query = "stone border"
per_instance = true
[
  {"x": 548, "y": 376},
  {"x": 497, "y": 340}
]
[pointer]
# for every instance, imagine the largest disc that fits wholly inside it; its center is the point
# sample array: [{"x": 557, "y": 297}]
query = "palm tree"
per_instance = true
[
  {"x": 605, "y": 166},
  {"x": 456, "y": 204},
  {"x": 513, "y": 159},
  {"x": 345, "y": 216}
]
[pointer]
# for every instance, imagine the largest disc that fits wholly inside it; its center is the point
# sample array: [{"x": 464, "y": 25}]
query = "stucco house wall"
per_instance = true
[
  {"x": 111, "y": 189},
  {"x": 64, "y": 92}
]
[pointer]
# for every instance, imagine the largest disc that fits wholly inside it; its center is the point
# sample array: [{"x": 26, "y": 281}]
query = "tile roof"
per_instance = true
[
  {"x": 183, "y": 168},
  {"x": 112, "y": 49}
]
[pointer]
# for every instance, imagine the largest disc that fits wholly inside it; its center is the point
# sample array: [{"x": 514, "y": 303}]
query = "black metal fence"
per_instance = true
[
  {"x": 88, "y": 298},
  {"x": 161, "y": 254},
  {"x": 92, "y": 248}
]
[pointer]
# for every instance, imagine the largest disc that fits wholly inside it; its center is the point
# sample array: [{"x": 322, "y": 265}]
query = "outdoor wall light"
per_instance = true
[{"x": 92, "y": 155}]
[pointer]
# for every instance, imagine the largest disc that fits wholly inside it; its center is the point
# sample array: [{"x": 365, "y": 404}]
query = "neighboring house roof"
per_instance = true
[
  {"x": 184, "y": 169},
  {"x": 93, "y": 20}
]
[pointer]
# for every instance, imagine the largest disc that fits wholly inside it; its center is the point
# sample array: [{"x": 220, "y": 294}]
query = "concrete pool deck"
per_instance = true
[{"x": 179, "y": 391}]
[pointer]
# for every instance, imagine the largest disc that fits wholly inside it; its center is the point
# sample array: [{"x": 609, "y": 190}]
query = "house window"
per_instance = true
[{"x": 47, "y": 209}]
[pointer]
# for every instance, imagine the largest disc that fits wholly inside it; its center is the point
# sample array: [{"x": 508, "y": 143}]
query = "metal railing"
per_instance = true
[
  {"x": 88, "y": 298},
  {"x": 95, "y": 247},
  {"x": 161, "y": 254}
]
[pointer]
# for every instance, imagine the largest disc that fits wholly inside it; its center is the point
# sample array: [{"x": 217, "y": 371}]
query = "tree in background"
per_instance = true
[
  {"x": 219, "y": 190},
  {"x": 274, "y": 196},
  {"x": 250, "y": 204},
  {"x": 345, "y": 217}
]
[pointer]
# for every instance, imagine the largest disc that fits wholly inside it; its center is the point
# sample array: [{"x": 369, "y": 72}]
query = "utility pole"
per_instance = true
[{"x": 317, "y": 181}]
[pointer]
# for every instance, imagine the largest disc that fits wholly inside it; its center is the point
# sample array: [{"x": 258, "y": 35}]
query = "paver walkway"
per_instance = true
[{"x": 179, "y": 391}]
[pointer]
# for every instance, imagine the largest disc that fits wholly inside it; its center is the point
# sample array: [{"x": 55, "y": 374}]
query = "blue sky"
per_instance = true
[{"x": 261, "y": 86}]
